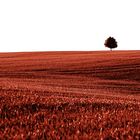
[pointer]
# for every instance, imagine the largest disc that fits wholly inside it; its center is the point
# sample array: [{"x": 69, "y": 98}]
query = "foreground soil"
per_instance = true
[{"x": 70, "y": 95}]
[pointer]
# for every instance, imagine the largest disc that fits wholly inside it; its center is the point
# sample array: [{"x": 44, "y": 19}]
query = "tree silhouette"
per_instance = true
[{"x": 110, "y": 43}]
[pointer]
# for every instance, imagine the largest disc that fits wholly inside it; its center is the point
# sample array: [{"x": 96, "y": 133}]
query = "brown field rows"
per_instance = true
[{"x": 70, "y": 95}]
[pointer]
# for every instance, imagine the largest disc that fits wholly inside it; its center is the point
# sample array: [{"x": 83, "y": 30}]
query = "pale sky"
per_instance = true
[{"x": 66, "y": 25}]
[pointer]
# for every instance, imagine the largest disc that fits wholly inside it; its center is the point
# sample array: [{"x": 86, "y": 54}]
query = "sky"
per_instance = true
[{"x": 68, "y": 25}]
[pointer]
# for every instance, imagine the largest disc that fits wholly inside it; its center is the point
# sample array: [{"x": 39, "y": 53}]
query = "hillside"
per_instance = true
[
  {"x": 118, "y": 70},
  {"x": 91, "y": 94}
]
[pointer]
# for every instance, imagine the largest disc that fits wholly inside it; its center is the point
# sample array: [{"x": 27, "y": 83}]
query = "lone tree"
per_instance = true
[{"x": 110, "y": 43}]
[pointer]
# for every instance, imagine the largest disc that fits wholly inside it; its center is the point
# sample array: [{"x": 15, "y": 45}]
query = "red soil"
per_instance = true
[{"x": 70, "y": 95}]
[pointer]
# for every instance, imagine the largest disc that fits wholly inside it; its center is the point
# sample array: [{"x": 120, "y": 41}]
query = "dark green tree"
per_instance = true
[{"x": 110, "y": 43}]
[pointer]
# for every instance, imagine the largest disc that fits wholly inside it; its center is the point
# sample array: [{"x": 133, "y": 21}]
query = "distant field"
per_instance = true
[{"x": 70, "y": 95}]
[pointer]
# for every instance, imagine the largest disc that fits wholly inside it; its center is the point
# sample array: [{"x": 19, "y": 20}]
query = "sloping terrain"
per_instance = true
[{"x": 73, "y": 95}]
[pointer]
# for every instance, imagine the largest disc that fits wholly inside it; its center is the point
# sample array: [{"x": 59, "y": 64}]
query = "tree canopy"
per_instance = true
[{"x": 110, "y": 43}]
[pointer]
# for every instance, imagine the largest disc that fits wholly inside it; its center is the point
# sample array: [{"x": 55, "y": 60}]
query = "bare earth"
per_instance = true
[{"x": 70, "y": 95}]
